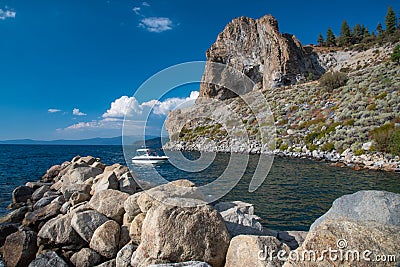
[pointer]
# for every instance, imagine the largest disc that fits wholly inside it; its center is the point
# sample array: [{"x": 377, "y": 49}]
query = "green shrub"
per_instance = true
[
  {"x": 349, "y": 122},
  {"x": 371, "y": 107},
  {"x": 328, "y": 147},
  {"x": 382, "y": 95},
  {"x": 395, "y": 142},
  {"x": 333, "y": 80},
  {"x": 395, "y": 56},
  {"x": 312, "y": 147},
  {"x": 387, "y": 138},
  {"x": 359, "y": 152},
  {"x": 309, "y": 139},
  {"x": 283, "y": 146}
]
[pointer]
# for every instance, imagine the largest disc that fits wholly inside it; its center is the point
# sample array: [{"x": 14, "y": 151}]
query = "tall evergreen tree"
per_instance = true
[
  {"x": 390, "y": 21},
  {"x": 345, "y": 34},
  {"x": 330, "y": 38},
  {"x": 358, "y": 33},
  {"x": 321, "y": 41},
  {"x": 379, "y": 29}
]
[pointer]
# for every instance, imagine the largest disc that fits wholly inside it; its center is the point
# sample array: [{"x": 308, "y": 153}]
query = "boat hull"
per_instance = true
[{"x": 148, "y": 160}]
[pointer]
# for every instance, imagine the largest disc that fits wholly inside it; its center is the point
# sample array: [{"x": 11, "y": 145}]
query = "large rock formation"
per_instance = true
[{"x": 257, "y": 49}]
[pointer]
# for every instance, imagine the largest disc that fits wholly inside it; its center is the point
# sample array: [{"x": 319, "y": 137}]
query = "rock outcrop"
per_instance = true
[{"x": 257, "y": 49}]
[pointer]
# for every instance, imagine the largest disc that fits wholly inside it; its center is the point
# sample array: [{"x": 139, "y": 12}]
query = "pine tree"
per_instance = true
[
  {"x": 330, "y": 38},
  {"x": 390, "y": 21},
  {"x": 345, "y": 34},
  {"x": 358, "y": 33},
  {"x": 379, "y": 29},
  {"x": 321, "y": 41}
]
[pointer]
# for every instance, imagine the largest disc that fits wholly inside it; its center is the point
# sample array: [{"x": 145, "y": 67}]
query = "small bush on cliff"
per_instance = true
[
  {"x": 333, "y": 80},
  {"x": 387, "y": 138},
  {"x": 395, "y": 56}
]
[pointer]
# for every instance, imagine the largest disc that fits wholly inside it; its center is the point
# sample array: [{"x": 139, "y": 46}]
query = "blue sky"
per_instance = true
[{"x": 64, "y": 62}]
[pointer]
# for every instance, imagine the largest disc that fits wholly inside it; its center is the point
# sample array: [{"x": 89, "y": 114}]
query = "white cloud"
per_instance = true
[
  {"x": 53, "y": 110},
  {"x": 162, "y": 108},
  {"x": 145, "y": 4},
  {"x": 136, "y": 9},
  {"x": 156, "y": 24},
  {"x": 113, "y": 118},
  {"x": 77, "y": 112},
  {"x": 129, "y": 106},
  {"x": 121, "y": 106},
  {"x": 7, "y": 13}
]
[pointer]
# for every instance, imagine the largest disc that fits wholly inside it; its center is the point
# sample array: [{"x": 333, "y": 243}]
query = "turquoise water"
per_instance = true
[{"x": 295, "y": 193}]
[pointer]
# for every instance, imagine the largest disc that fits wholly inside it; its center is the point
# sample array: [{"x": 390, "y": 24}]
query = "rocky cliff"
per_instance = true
[
  {"x": 257, "y": 49},
  {"x": 308, "y": 119}
]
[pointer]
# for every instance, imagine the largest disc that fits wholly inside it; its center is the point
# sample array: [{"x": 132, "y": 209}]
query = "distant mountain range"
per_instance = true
[{"x": 136, "y": 140}]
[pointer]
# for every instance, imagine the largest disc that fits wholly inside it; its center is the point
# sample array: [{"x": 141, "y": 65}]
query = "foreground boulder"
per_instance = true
[
  {"x": 182, "y": 264},
  {"x": 175, "y": 234},
  {"x": 367, "y": 205},
  {"x": 79, "y": 174},
  {"x": 20, "y": 248},
  {"x": 105, "y": 240},
  {"x": 105, "y": 180},
  {"x": 366, "y": 221},
  {"x": 86, "y": 222},
  {"x": 48, "y": 259},
  {"x": 32, "y": 219},
  {"x": 173, "y": 194},
  {"x": 58, "y": 232},
  {"x": 86, "y": 257},
  {"x": 110, "y": 203},
  {"x": 7, "y": 229},
  {"x": 250, "y": 250},
  {"x": 350, "y": 236},
  {"x": 21, "y": 194}
]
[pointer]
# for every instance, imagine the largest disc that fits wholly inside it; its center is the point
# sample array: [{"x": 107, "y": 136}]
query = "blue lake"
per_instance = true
[{"x": 295, "y": 193}]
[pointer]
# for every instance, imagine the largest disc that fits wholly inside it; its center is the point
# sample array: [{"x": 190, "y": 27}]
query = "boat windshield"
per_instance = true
[{"x": 143, "y": 152}]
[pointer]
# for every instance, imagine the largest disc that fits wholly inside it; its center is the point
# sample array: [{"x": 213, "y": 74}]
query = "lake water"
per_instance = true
[{"x": 295, "y": 193}]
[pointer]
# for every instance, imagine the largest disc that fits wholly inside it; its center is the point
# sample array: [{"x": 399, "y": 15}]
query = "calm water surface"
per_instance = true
[{"x": 295, "y": 193}]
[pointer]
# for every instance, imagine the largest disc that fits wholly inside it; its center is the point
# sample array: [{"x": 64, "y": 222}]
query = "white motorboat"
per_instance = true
[{"x": 146, "y": 156}]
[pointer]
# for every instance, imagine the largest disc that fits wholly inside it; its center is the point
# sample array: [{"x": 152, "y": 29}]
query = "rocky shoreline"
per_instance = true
[
  {"x": 376, "y": 161},
  {"x": 84, "y": 213}
]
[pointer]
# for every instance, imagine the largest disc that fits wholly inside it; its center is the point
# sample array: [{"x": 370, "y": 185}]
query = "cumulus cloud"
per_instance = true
[
  {"x": 156, "y": 24},
  {"x": 130, "y": 106},
  {"x": 7, "y": 13},
  {"x": 77, "y": 112},
  {"x": 136, "y": 119},
  {"x": 53, "y": 110},
  {"x": 162, "y": 108}
]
